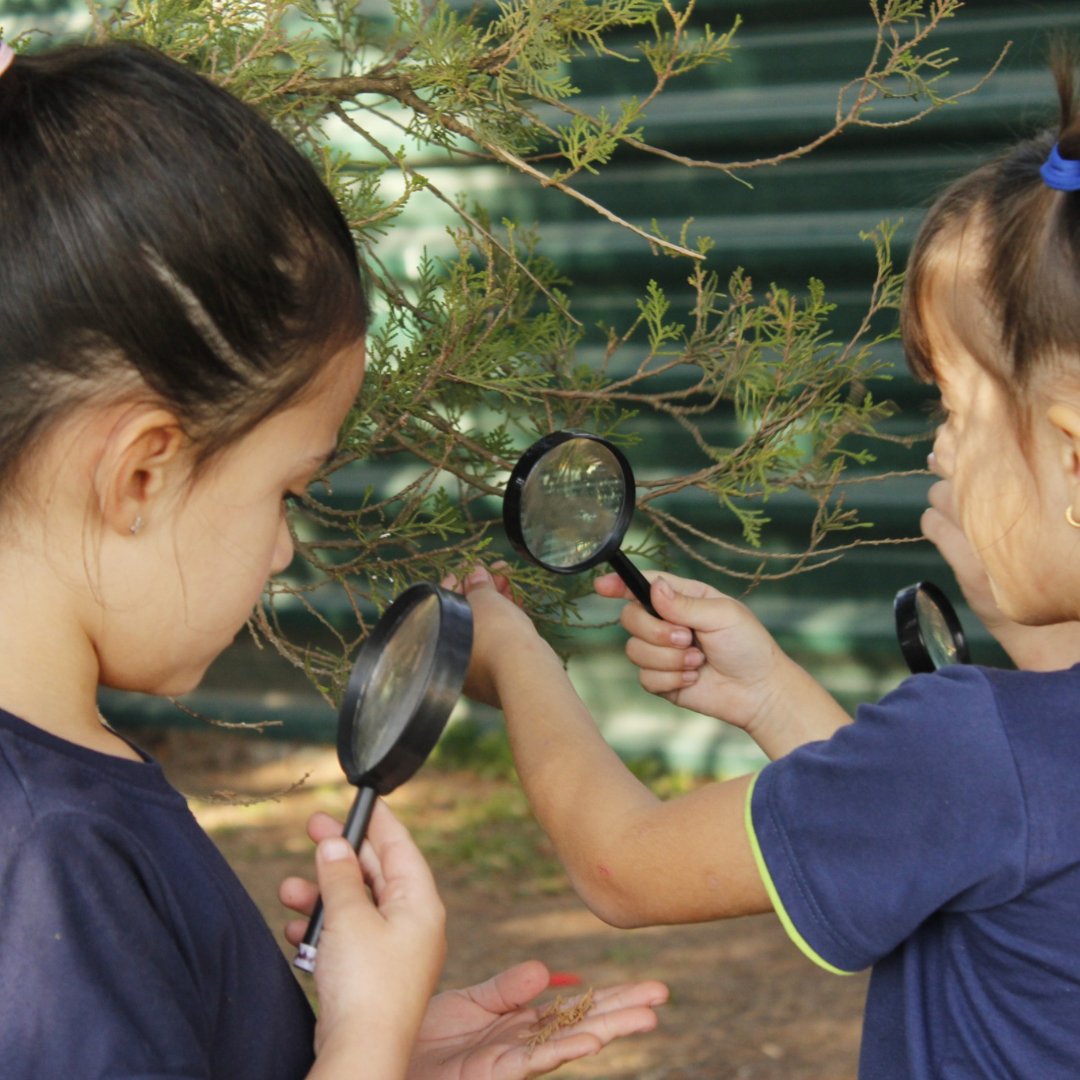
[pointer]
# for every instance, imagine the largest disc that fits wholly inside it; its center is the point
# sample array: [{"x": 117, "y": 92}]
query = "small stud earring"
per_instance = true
[
  {"x": 137, "y": 524},
  {"x": 1070, "y": 519}
]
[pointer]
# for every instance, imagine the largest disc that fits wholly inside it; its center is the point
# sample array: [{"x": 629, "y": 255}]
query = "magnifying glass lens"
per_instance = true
[
  {"x": 403, "y": 686},
  {"x": 571, "y": 501},
  {"x": 397, "y": 682},
  {"x": 936, "y": 633},
  {"x": 928, "y": 629}
]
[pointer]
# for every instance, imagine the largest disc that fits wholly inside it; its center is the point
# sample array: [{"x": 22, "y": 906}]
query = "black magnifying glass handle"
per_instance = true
[
  {"x": 638, "y": 584},
  {"x": 355, "y": 829},
  {"x": 634, "y": 579}
]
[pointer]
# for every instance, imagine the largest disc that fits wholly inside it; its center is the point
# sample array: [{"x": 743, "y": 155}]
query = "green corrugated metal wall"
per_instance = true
[{"x": 801, "y": 218}]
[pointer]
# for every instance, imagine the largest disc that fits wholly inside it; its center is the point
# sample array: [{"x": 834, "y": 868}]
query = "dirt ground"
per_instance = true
[{"x": 744, "y": 1002}]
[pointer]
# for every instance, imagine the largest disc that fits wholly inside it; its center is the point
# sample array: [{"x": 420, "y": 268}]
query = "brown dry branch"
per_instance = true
[
  {"x": 559, "y": 1014},
  {"x": 224, "y": 797}
]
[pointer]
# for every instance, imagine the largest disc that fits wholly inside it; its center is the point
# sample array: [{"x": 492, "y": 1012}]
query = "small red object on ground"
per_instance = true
[{"x": 564, "y": 978}]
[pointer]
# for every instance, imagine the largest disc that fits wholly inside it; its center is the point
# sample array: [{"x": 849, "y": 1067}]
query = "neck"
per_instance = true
[{"x": 48, "y": 665}]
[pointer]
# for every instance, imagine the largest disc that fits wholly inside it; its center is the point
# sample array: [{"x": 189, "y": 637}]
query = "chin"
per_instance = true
[
  {"x": 159, "y": 684},
  {"x": 1026, "y": 612}
]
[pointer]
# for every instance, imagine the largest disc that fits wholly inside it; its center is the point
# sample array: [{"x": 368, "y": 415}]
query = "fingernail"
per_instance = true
[
  {"x": 335, "y": 849},
  {"x": 692, "y": 658},
  {"x": 479, "y": 575},
  {"x": 681, "y": 637},
  {"x": 689, "y": 676},
  {"x": 664, "y": 588}
]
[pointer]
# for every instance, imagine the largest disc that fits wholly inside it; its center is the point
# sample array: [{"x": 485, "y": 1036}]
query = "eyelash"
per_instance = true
[{"x": 938, "y": 413}]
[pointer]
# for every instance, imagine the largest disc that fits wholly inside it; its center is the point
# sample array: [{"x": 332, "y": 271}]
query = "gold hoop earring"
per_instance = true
[
  {"x": 137, "y": 524},
  {"x": 1070, "y": 519}
]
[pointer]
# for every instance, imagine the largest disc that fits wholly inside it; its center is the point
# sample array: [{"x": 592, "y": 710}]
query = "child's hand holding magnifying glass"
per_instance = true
[{"x": 736, "y": 672}]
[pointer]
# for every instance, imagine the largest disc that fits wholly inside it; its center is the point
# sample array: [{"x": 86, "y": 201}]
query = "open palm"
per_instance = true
[{"x": 481, "y": 1032}]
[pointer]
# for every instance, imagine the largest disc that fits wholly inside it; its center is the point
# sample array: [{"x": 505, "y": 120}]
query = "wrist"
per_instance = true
[
  {"x": 521, "y": 655},
  {"x": 349, "y": 1051},
  {"x": 796, "y": 710}
]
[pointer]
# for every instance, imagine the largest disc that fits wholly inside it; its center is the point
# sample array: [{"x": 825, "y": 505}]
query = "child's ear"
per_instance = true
[{"x": 141, "y": 459}]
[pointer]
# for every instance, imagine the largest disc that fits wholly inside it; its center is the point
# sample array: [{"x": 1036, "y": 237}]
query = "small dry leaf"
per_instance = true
[{"x": 558, "y": 1014}]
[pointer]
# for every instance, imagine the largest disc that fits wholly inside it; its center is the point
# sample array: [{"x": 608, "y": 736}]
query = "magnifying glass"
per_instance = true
[
  {"x": 406, "y": 680},
  {"x": 929, "y": 629},
  {"x": 568, "y": 505}
]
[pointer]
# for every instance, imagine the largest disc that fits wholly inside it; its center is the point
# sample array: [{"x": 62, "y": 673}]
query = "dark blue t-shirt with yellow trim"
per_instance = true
[
  {"x": 937, "y": 839},
  {"x": 128, "y": 948}
]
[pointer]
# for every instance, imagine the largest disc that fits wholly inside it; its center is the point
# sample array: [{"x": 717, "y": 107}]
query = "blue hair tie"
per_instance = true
[{"x": 1060, "y": 173}]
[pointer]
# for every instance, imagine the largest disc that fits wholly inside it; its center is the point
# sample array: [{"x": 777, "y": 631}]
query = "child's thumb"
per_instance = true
[
  {"x": 696, "y": 613},
  {"x": 341, "y": 882}
]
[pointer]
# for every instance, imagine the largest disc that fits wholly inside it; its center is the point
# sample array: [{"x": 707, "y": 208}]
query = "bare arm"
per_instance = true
[{"x": 632, "y": 858}]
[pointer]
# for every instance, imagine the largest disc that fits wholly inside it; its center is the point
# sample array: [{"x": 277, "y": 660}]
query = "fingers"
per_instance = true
[
  {"x": 298, "y": 894},
  {"x": 567, "y": 1045},
  {"x": 943, "y": 532},
  {"x": 698, "y": 609},
  {"x": 295, "y": 931},
  {"x": 389, "y": 863},
  {"x": 341, "y": 883},
  {"x": 664, "y": 670},
  {"x": 479, "y": 576},
  {"x": 399, "y": 876},
  {"x": 510, "y": 989},
  {"x": 681, "y": 603},
  {"x": 321, "y": 825},
  {"x": 667, "y": 682},
  {"x": 611, "y": 585},
  {"x": 940, "y": 497},
  {"x": 638, "y": 622},
  {"x": 617, "y": 1011},
  {"x": 630, "y": 995},
  {"x": 502, "y": 584}
]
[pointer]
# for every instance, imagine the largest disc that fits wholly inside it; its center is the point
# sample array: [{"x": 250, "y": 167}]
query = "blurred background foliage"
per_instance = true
[{"x": 680, "y": 226}]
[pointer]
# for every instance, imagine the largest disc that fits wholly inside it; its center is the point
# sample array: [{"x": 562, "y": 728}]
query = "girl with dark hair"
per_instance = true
[
  {"x": 181, "y": 336},
  {"x": 937, "y": 838}
]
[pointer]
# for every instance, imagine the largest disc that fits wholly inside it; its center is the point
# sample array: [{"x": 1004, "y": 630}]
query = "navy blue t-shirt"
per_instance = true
[
  {"x": 128, "y": 948},
  {"x": 938, "y": 839}
]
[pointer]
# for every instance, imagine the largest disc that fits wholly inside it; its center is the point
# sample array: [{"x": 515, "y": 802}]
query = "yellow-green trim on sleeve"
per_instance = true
[{"x": 774, "y": 896}]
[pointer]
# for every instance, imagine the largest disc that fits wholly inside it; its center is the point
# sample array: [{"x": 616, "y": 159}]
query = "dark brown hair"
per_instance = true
[
  {"x": 157, "y": 233},
  {"x": 1029, "y": 236}
]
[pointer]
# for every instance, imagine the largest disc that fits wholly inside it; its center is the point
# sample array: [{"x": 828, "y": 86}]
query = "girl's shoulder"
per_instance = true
[
  {"x": 1021, "y": 704},
  {"x": 45, "y": 772}
]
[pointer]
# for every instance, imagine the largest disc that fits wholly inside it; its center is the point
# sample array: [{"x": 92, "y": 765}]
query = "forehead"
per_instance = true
[
  {"x": 960, "y": 326},
  {"x": 305, "y": 432}
]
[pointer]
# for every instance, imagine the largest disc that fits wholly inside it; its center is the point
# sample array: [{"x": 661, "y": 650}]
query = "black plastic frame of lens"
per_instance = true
[
  {"x": 909, "y": 633},
  {"x": 516, "y": 486},
  {"x": 421, "y": 731}
]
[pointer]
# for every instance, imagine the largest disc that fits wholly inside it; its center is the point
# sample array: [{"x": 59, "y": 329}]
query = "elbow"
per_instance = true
[{"x": 610, "y": 899}]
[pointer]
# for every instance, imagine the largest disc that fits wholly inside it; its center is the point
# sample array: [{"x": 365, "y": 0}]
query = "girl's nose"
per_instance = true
[
  {"x": 283, "y": 549},
  {"x": 940, "y": 460}
]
